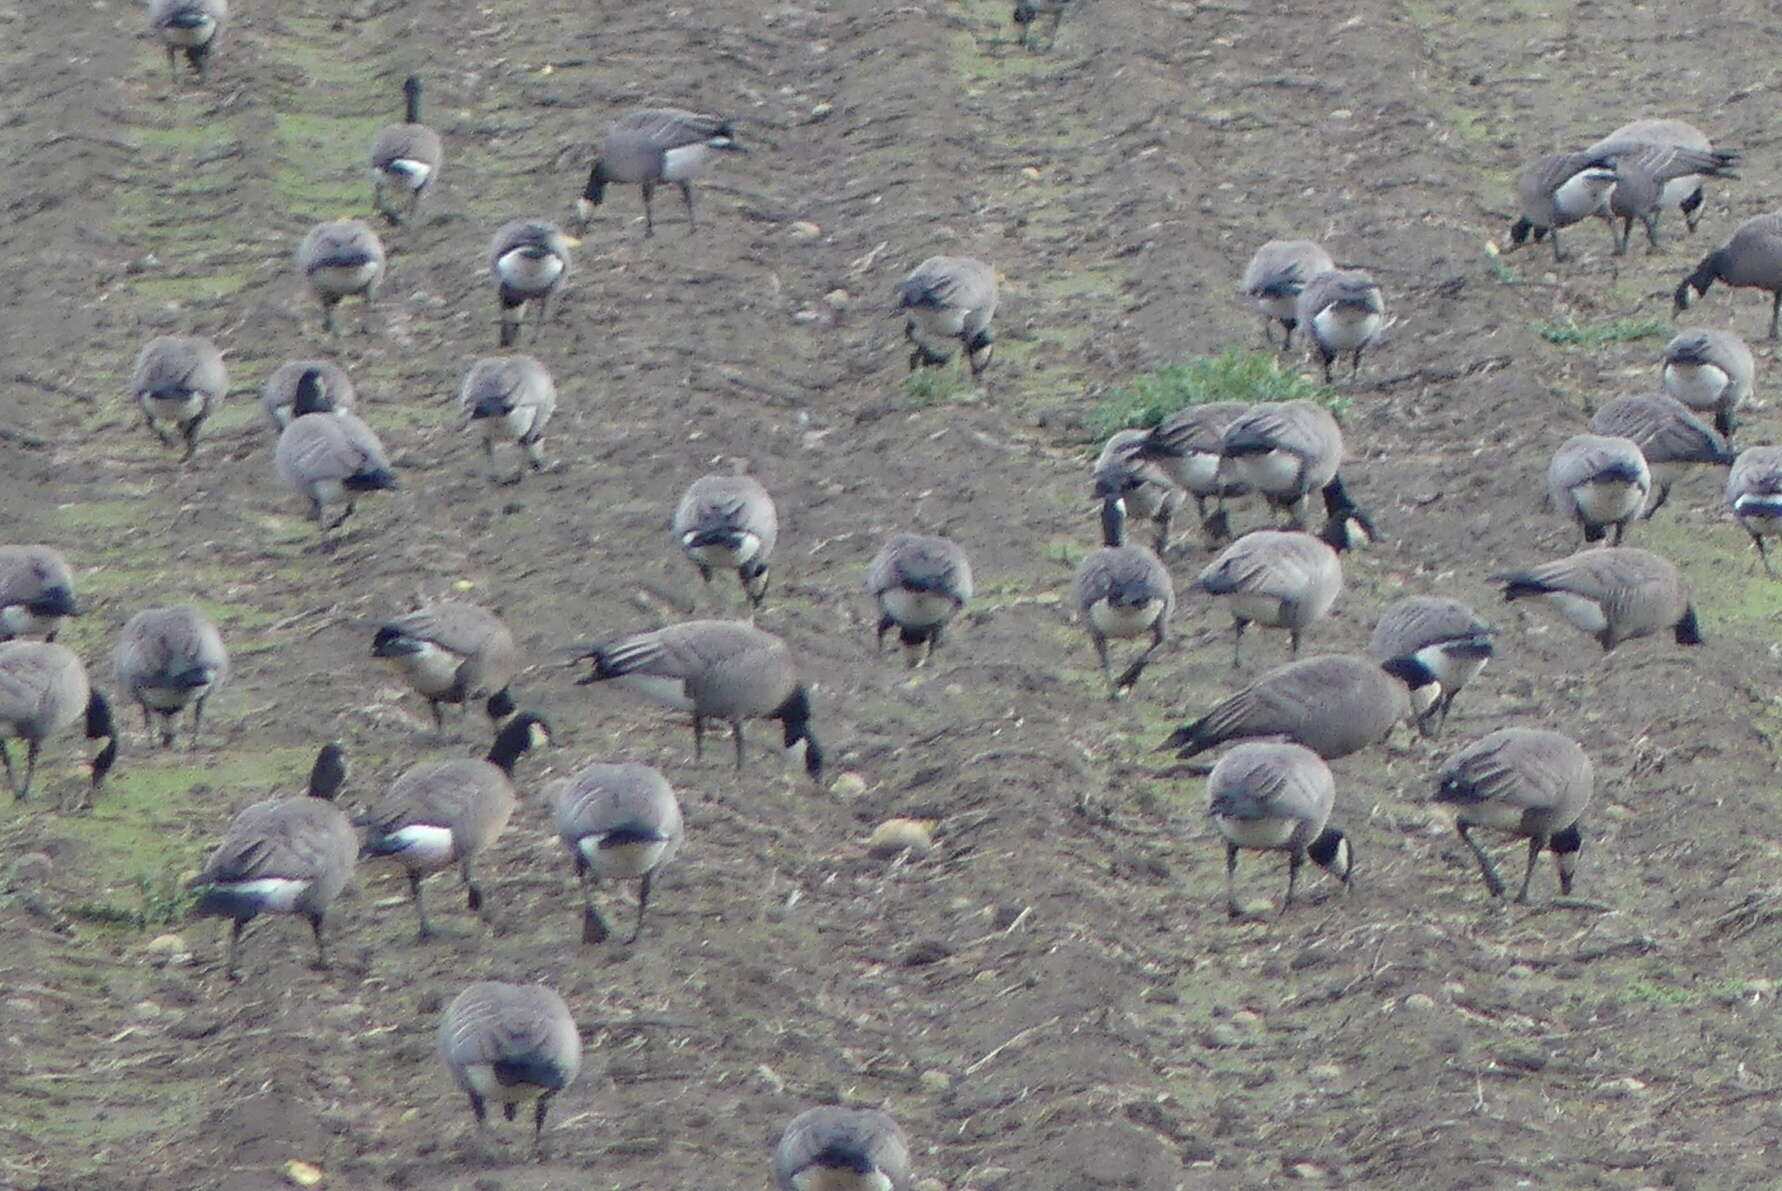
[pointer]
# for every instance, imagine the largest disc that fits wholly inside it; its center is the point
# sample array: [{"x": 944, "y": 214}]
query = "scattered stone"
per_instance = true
[
  {"x": 1521, "y": 1058},
  {"x": 1419, "y": 1002},
  {"x": 1324, "y": 1073},
  {"x": 822, "y": 110},
  {"x": 168, "y": 949},
  {"x": 934, "y": 1081},
  {"x": 838, "y": 298},
  {"x": 848, "y": 785},
  {"x": 902, "y": 836},
  {"x": 145, "y": 1011},
  {"x": 1519, "y": 972},
  {"x": 928, "y": 951},
  {"x": 804, "y": 229},
  {"x": 1222, "y": 1036},
  {"x": 1305, "y": 1170}
]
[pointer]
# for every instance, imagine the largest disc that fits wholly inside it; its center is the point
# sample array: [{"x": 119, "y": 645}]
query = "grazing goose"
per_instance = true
[
  {"x": 1274, "y": 278},
  {"x": 1125, "y": 592},
  {"x": 1446, "y": 637},
  {"x": 1615, "y": 594},
  {"x": 833, "y": 1148},
  {"x": 452, "y": 652},
  {"x": 300, "y": 387},
  {"x": 511, "y": 400},
  {"x": 44, "y": 689},
  {"x": 1658, "y": 164},
  {"x": 729, "y": 523},
  {"x": 282, "y": 856},
  {"x": 1342, "y": 311},
  {"x": 328, "y": 458},
  {"x": 445, "y": 812},
  {"x": 1188, "y": 446},
  {"x": 529, "y": 259},
  {"x": 620, "y": 823},
  {"x": 1276, "y": 798},
  {"x": 1599, "y": 482},
  {"x": 1288, "y": 450},
  {"x": 340, "y": 259},
  {"x": 1752, "y": 258},
  {"x": 1557, "y": 191},
  {"x": 1525, "y": 781},
  {"x": 1334, "y": 704},
  {"x": 189, "y": 27},
  {"x": 653, "y": 146},
  {"x": 947, "y": 298},
  {"x": 179, "y": 379},
  {"x": 920, "y": 583},
  {"x": 1754, "y": 494},
  {"x": 169, "y": 659},
  {"x": 510, "y": 1043},
  {"x": 1029, "y": 11},
  {"x": 716, "y": 669},
  {"x": 1279, "y": 579},
  {"x": 1668, "y": 435},
  {"x": 1128, "y": 484},
  {"x": 36, "y": 592},
  {"x": 1710, "y": 371},
  {"x": 405, "y": 158}
]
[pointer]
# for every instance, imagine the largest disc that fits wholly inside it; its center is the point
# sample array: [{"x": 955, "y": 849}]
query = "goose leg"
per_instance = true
[
  {"x": 473, "y": 892},
  {"x": 687, "y": 197},
  {"x": 173, "y": 64},
  {"x": 643, "y": 901},
  {"x": 197, "y": 721},
  {"x": 1237, "y": 643},
  {"x": 736, "y": 729},
  {"x": 315, "y": 928},
  {"x": 1293, "y": 641},
  {"x": 11, "y": 780},
  {"x": 31, "y": 747},
  {"x": 1775, "y": 311},
  {"x": 1650, "y": 220},
  {"x": 1764, "y": 554},
  {"x": 1131, "y": 676},
  {"x": 1535, "y": 845},
  {"x": 698, "y": 737},
  {"x": 538, "y": 1116},
  {"x": 1295, "y": 858},
  {"x": 232, "y": 964},
  {"x": 1232, "y": 908},
  {"x": 480, "y": 1110},
  {"x": 887, "y": 622},
  {"x": 1691, "y": 208},
  {"x": 649, "y": 188},
  {"x": 328, "y": 315},
  {"x": 1101, "y": 654},
  {"x": 594, "y": 927},
  {"x": 425, "y": 931},
  {"x": 1486, "y": 869}
]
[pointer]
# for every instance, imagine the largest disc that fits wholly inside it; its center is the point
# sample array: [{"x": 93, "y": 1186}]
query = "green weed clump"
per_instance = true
[
  {"x": 161, "y": 901},
  {"x": 1568, "y": 332},
  {"x": 1232, "y": 375}
]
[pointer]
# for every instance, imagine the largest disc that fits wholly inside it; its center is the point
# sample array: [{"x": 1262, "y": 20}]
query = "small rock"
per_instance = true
[
  {"x": 822, "y": 110},
  {"x": 1247, "y": 1020},
  {"x": 145, "y": 1011},
  {"x": 1518, "y": 972},
  {"x": 848, "y": 785},
  {"x": 1419, "y": 1002},
  {"x": 1305, "y": 1170},
  {"x": 838, "y": 298},
  {"x": 931, "y": 1185},
  {"x": 934, "y": 1081},
  {"x": 192, "y": 1026},
  {"x": 1030, "y": 173},
  {"x": 895, "y": 836},
  {"x": 928, "y": 951},
  {"x": 1221, "y": 1036},
  {"x": 1324, "y": 1073},
  {"x": 804, "y": 229},
  {"x": 806, "y": 317},
  {"x": 168, "y": 949}
]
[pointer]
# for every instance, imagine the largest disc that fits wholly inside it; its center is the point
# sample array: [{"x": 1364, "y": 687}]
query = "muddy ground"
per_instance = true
[{"x": 1054, "y": 998}]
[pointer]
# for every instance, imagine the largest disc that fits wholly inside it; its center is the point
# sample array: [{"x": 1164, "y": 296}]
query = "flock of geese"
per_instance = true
[{"x": 1272, "y": 790}]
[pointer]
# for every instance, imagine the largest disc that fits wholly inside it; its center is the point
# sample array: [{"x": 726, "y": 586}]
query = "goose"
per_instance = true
[
  {"x": 1276, "y": 798},
  {"x": 169, "y": 659},
  {"x": 1599, "y": 481},
  {"x": 1288, "y": 450},
  {"x": 339, "y": 259},
  {"x": 1668, "y": 435},
  {"x": 282, "y": 856},
  {"x": 620, "y": 823},
  {"x": 1751, "y": 259},
  {"x": 920, "y": 583},
  {"x": 511, "y": 400},
  {"x": 529, "y": 259},
  {"x": 716, "y": 669},
  {"x": 1446, "y": 637},
  {"x": 328, "y": 458},
  {"x": 729, "y": 523},
  {"x": 1334, "y": 704},
  {"x": 1029, "y": 11},
  {"x": 444, "y": 812},
  {"x": 189, "y": 27},
  {"x": 1274, "y": 278},
  {"x": 452, "y": 652},
  {"x": 318, "y": 386},
  {"x": 405, "y": 158},
  {"x": 1526, "y": 781},
  {"x": 1125, "y": 483},
  {"x": 1125, "y": 592},
  {"x": 1188, "y": 446},
  {"x": 834, "y": 1148},
  {"x": 44, "y": 689},
  {"x": 1710, "y": 371},
  {"x": 948, "y": 298},
  {"x": 1279, "y": 579},
  {"x": 1615, "y": 594},
  {"x": 653, "y": 146},
  {"x": 1342, "y": 311},
  {"x": 179, "y": 379},
  {"x": 1557, "y": 191},
  {"x": 510, "y": 1043},
  {"x": 36, "y": 592},
  {"x": 1754, "y": 494},
  {"x": 1658, "y": 164}
]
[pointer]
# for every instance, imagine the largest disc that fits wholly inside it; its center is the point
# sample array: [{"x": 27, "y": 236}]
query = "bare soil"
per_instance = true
[{"x": 1054, "y": 998}]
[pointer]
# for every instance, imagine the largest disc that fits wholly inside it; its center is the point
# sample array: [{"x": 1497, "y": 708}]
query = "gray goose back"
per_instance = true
[
  {"x": 1123, "y": 592},
  {"x": 43, "y": 690},
  {"x": 510, "y": 1044},
  {"x": 1342, "y": 311},
  {"x": 652, "y": 146},
  {"x": 1127, "y": 484},
  {"x": 179, "y": 379},
  {"x": 619, "y": 822},
  {"x": 168, "y": 659},
  {"x": 1274, "y": 277},
  {"x": 1615, "y": 594},
  {"x": 1754, "y": 496},
  {"x": 1525, "y": 781},
  {"x": 405, "y": 158},
  {"x": 329, "y": 458},
  {"x": 846, "y": 1149},
  {"x": 189, "y": 27},
  {"x": 1276, "y": 797},
  {"x": 529, "y": 259},
  {"x": 949, "y": 300},
  {"x": 36, "y": 592},
  {"x": 920, "y": 583},
  {"x": 1334, "y": 704},
  {"x": 510, "y": 399},
  {"x": 1752, "y": 259},
  {"x": 1280, "y": 579},
  {"x": 1668, "y": 434},
  {"x": 1599, "y": 481},
  {"x": 729, "y": 523},
  {"x": 1711, "y": 371},
  {"x": 338, "y": 259},
  {"x": 452, "y": 651},
  {"x": 334, "y": 391},
  {"x": 1446, "y": 637}
]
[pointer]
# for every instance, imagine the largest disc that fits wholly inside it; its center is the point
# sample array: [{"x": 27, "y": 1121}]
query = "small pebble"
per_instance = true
[
  {"x": 1324, "y": 1072},
  {"x": 848, "y": 785},
  {"x": 935, "y": 1081},
  {"x": 804, "y": 229},
  {"x": 1419, "y": 1002},
  {"x": 901, "y": 835}
]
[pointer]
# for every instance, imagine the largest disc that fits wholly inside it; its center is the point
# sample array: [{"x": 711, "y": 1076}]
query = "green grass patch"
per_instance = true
[
  {"x": 1568, "y": 332},
  {"x": 161, "y": 900},
  {"x": 935, "y": 386},
  {"x": 1652, "y": 993},
  {"x": 1233, "y": 375}
]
